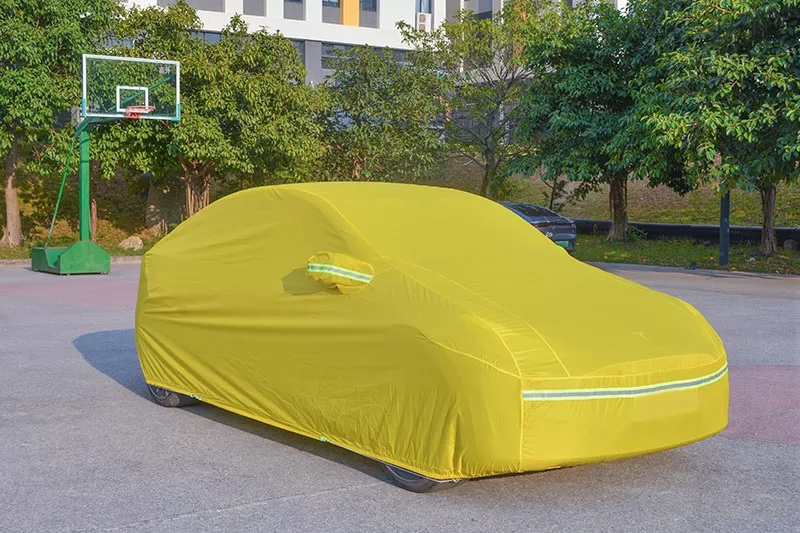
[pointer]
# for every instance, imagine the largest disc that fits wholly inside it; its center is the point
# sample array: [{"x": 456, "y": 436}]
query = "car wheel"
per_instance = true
[
  {"x": 415, "y": 482},
  {"x": 168, "y": 398}
]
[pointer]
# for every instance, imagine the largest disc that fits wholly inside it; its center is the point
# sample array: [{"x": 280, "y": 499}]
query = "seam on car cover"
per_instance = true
[
  {"x": 471, "y": 356},
  {"x": 420, "y": 283},
  {"x": 616, "y": 376},
  {"x": 394, "y": 262},
  {"x": 341, "y": 215},
  {"x": 709, "y": 332},
  {"x": 495, "y": 305}
]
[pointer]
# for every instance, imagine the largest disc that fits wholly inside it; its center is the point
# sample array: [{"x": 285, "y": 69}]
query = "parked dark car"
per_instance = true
[{"x": 558, "y": 229}]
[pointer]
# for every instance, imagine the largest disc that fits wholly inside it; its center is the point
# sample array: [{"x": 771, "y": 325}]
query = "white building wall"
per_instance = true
[
  {"x": 313, "y": 32},
  {"x": 313, "y": 29}
]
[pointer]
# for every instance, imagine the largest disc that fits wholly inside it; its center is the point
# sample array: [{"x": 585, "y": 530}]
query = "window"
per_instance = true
[
  {"x": 369, "y": 14},
  {"x": 294, "y": 10},
  {"x": 331, "y": 12},
  {"x": 424, "y": 6},
  {"x": 203, "y": 5},
  {"x": 211, "y": 37},
  {"x": 257, "y": 8},
  {"x": 300, "y": 46},
  {"x": 113, "y": 41},
  {"x": 400, "y": 56},
  {"x": 330, "y": 54}
]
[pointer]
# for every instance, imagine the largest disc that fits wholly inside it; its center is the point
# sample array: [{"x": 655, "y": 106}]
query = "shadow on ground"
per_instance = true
[{"x": 113, "y": 353}]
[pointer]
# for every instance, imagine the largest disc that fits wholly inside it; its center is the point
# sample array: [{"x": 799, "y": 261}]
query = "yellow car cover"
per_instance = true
[{"x": 425, "y": 327}]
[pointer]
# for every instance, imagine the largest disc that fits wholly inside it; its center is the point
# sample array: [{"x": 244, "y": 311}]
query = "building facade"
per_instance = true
[{"x": 320, "y": 27}]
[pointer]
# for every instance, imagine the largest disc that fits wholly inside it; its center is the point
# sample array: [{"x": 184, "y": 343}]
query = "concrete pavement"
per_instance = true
[{"x": 82, "y": 448}]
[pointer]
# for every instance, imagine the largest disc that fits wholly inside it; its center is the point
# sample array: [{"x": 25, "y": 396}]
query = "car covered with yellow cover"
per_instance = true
[{"x": 430, "y": 329}]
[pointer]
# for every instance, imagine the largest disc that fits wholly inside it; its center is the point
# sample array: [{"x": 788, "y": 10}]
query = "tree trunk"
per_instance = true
[
  {"x": 618, "y": 202},
  {"x": 553, "y": 194},
  {"x": 12, "y": 234},
  {"x": 198, "y": 192},
  {"x": 93, "y": 218},
  {"x": 768, "y": 245},
  {"x": 488, "y": 175}
]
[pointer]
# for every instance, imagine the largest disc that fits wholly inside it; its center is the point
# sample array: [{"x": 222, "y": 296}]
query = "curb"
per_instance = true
[
  {"x": 703, "y": 272},
  {"x": 709, "y": 232},
  {"x": 115, "y": 260}
]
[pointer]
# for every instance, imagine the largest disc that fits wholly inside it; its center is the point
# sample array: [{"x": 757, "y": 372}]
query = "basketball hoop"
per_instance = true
[{"x": 134, "y": 111}]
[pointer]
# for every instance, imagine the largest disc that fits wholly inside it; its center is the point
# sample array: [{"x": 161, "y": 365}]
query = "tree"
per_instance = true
[
  {"x": 579, "y": 100},
  {"x": 41, "y": 44},
  {"x": 246, "y": 110},
  {"x": 482, "y": 61},
  {"x": 380, "y": 124},
  {"x": 725, "y": 95},
  {"x": 578, "y": 112}
]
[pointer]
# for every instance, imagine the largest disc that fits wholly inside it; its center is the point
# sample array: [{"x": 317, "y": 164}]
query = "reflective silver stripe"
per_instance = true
[
  {"x": 627, "y": 392},
  {"x": 339, "y": 271}
]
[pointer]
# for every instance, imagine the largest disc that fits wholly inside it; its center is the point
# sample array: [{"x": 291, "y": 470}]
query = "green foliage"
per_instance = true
[
  {"x": 729, "y": 89},
  {"x": 579, "y": 107},
  {"x": 725, "y": 94},
  {"x": 555, "y": 196},
  {"x": 579, "y": 99},
  {"x": 576, "y": 112},
  {"x": 380, "y": 124},
  {"x": 682, "y": 253},
  {"x": 41, "y": 44},
  {"x": 481, "y": 62},
  {"x": 246, "y": 111}
]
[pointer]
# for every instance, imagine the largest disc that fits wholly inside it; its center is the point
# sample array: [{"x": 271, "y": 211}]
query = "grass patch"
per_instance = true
[
  {"x": 109, "y": 237},
  {"x": 682, "y": 253},
  {"x": 21, "y": 252},
  {"x": 24, "y": 252},
  {"x": 645, "y": 203}
]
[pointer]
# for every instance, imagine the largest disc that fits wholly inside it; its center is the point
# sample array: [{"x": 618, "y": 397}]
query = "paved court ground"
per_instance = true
[{"x": 82, "y": 448}]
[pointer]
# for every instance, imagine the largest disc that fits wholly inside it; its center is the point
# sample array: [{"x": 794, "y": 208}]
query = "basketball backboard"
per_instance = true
[{"x": 131, "y": 87}]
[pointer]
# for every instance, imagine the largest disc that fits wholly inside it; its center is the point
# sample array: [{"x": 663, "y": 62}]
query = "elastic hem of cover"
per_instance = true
[{"x": 426, "y": 474}]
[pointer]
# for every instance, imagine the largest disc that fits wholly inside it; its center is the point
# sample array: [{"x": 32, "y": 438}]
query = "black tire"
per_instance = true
[
  {"x": 416, "y": 483},
  {"x": 168, "y": 398}
]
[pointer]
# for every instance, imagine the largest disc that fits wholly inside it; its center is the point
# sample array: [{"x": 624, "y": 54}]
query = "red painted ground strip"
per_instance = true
[
  {"x": 765, "y": 403},
  {"x": 102, "y": 293}
]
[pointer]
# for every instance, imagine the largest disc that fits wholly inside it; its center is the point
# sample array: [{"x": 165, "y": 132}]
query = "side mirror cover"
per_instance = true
[{"x": 340, "y": 271}]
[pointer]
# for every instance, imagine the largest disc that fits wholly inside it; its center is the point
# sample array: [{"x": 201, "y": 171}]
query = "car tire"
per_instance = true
[
  {"x": 168, "y": 398},
  {"x": 416, "y": 483}
]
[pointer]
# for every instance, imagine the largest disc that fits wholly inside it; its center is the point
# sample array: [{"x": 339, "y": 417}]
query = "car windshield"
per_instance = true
[{"x": 531, "y": 210}]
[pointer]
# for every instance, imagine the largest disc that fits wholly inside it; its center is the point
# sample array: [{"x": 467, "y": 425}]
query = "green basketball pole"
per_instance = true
[
  {"x": 84, "y": 214},
  {"x": 84, "y": 256},
  {"x": 116, "y": 91}
]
